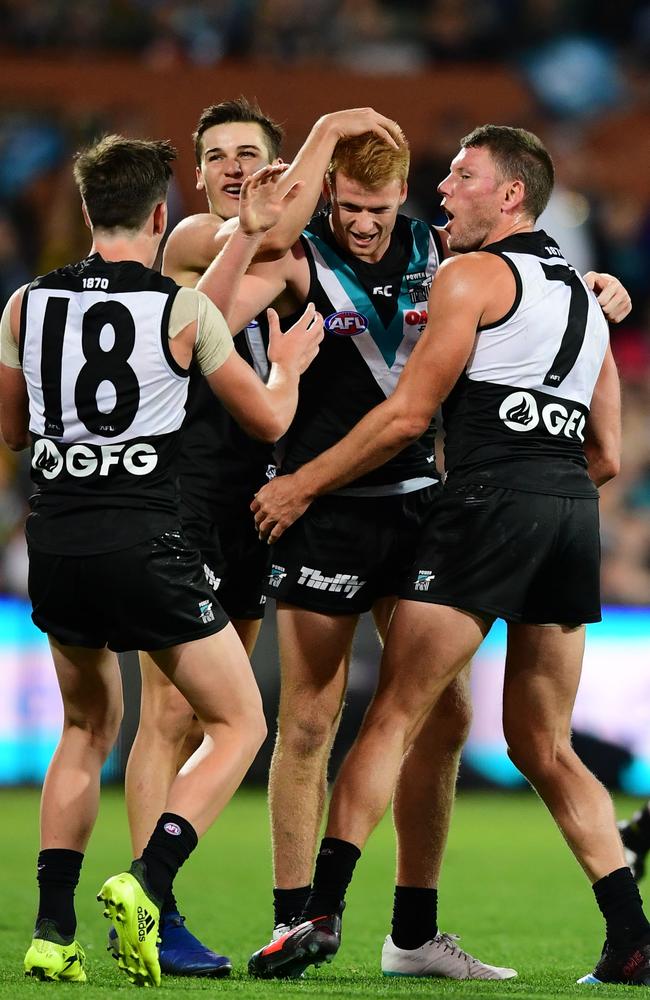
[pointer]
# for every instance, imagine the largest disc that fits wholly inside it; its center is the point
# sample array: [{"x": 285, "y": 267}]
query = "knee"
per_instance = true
[
  {"x": 250, "y": 730},
  {"x": 166, "y": 718},
  {"x": 305, "y": 736},
  {"x": 458, "y": 721},
  {"x": 257, "y": 729},
  {"x": 98, "y": 730},
  {"x": 540, "y": 757},
  {"x": 448, "y": 724}
]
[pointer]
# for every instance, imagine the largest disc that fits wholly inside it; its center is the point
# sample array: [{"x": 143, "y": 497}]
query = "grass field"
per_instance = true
[{"x": 510, "y": 888}]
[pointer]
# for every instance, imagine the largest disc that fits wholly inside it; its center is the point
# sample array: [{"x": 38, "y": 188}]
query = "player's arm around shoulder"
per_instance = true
[
  {"x": 14, "y": 401},
  {"x": 458, "y": 303},
  {"x": 469, "y": 291},
  {"x": 191, "y": 248},
  {"x": 613, "y": 297}
]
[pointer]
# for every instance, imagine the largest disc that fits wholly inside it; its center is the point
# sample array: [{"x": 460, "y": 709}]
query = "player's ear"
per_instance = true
[
  {"x": 200, "y": 183},
  {"x": 403, "y": 193},
  {"x": 327, "y": 189},
  {"x": 514, "y": 194},
  {"x": 84, "y": 212},
  {"x": 160, "y": 218}
]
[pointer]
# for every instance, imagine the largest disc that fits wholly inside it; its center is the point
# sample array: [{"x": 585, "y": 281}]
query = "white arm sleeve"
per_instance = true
[
  {"x": 213, "y": 339},
  {"x": 8, "y": 347}
]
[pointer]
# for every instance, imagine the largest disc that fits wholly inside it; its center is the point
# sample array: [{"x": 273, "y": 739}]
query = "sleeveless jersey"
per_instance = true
[
  {"x": 106, "y": 403},
  {"x": 374, "y": 314},
  {"x": 516, "y": 416},
  {"x": 219, "y": 463}
]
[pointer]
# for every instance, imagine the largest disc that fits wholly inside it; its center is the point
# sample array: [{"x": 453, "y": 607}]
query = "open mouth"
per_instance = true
[
  {"x": 232, "y": 190},
  {"x": 450, "y": 217},
  {"x": 362, "y": 241}
]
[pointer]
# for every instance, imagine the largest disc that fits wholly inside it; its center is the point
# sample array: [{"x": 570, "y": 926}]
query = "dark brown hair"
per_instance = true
[
  {"x": 519, "y": 155},
  {"x": 122, "y": 180},
  {"x": 239, "y": 110}
]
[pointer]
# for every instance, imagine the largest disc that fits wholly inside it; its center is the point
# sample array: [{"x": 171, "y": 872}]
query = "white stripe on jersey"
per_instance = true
[
  {"x": 386, "y": 377},
  {"x": 163, "y": 392},
  {"x": 520, "y": 351},
  {"x": 257, "y": 349}
]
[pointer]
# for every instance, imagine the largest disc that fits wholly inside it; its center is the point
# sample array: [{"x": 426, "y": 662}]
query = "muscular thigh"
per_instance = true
[{"x": 314, "y": 651}]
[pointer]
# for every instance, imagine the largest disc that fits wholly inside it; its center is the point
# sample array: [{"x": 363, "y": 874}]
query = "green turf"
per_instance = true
[{"x": 510, "y": 887}]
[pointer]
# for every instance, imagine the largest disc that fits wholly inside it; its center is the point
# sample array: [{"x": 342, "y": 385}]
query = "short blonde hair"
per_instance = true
[{"x": 369, "y": 160}]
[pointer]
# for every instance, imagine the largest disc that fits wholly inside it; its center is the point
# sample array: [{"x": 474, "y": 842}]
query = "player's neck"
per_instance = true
[
  {"x": 509, "y": 227},
  {"x": 121, "y": 246}
]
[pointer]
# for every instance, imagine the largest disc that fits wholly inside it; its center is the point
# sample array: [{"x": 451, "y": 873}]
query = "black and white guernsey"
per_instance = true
[
  {"x": 107, "y": 401},
  {"x": 516, "y": 417}
]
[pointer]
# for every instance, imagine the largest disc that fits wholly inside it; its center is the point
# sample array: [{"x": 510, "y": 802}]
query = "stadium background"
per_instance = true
[{"x": 575, "y": 72}]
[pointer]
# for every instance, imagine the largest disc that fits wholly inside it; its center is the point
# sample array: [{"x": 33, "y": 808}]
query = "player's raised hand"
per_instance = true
[
  {"x": 262, "y": 200},
  {"x": 356, "y": 121},
  {"x": 297, "y": 348},
  {"x": 613, "y": 297}
]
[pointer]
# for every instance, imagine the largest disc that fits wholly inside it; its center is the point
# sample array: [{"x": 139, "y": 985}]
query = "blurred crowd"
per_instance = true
[
  {"x": 580, "y": 59},
  {"x": 399, "y": 35}
]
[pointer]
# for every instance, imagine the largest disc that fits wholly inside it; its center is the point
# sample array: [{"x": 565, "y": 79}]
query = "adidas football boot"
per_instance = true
[{"x": 135, "y": 918}]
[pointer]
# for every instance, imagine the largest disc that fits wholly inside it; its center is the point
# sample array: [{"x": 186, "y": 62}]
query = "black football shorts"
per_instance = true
[
  {"x": 346, "y": 552},
  {"x": 150, "y": 596},
  {"x": 523, "y": 557},
  {"x": 234, "y": 558}
]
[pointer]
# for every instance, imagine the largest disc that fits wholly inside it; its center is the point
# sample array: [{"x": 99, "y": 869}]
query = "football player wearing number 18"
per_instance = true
[
  {"x": 516, "y": 349},
  {"x": 94, "y": 369}
]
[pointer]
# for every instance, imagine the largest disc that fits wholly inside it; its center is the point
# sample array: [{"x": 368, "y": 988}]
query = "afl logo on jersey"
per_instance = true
[
  {"x": 346, "y": 323},
  {"x": 519, "y": 411}
]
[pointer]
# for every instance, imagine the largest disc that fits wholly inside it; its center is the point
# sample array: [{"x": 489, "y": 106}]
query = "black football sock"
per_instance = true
[
  {"x": 58, "y": 873},
  {"x": 169, "y": 903},
  {"x": 170, "y": 845},
  {"x": 415, "y": 916},
  {"x": 636, "y": 835},
  {"x": 617, "y": 895},
  {"x": 334, "y": 867},
  {"x": 288, "y": 904}
]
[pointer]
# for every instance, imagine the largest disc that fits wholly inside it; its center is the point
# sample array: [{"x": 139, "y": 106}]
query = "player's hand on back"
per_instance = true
[
  {"x": 262, "y": 200},
  {"x": 297, "y": 348},
  {"x": 357, "y": 121},
  {"x": 613, "y": 297}
]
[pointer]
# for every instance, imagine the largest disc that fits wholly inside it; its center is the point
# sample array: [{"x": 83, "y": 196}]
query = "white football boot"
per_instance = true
[{"x": 441, "y": 958}]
